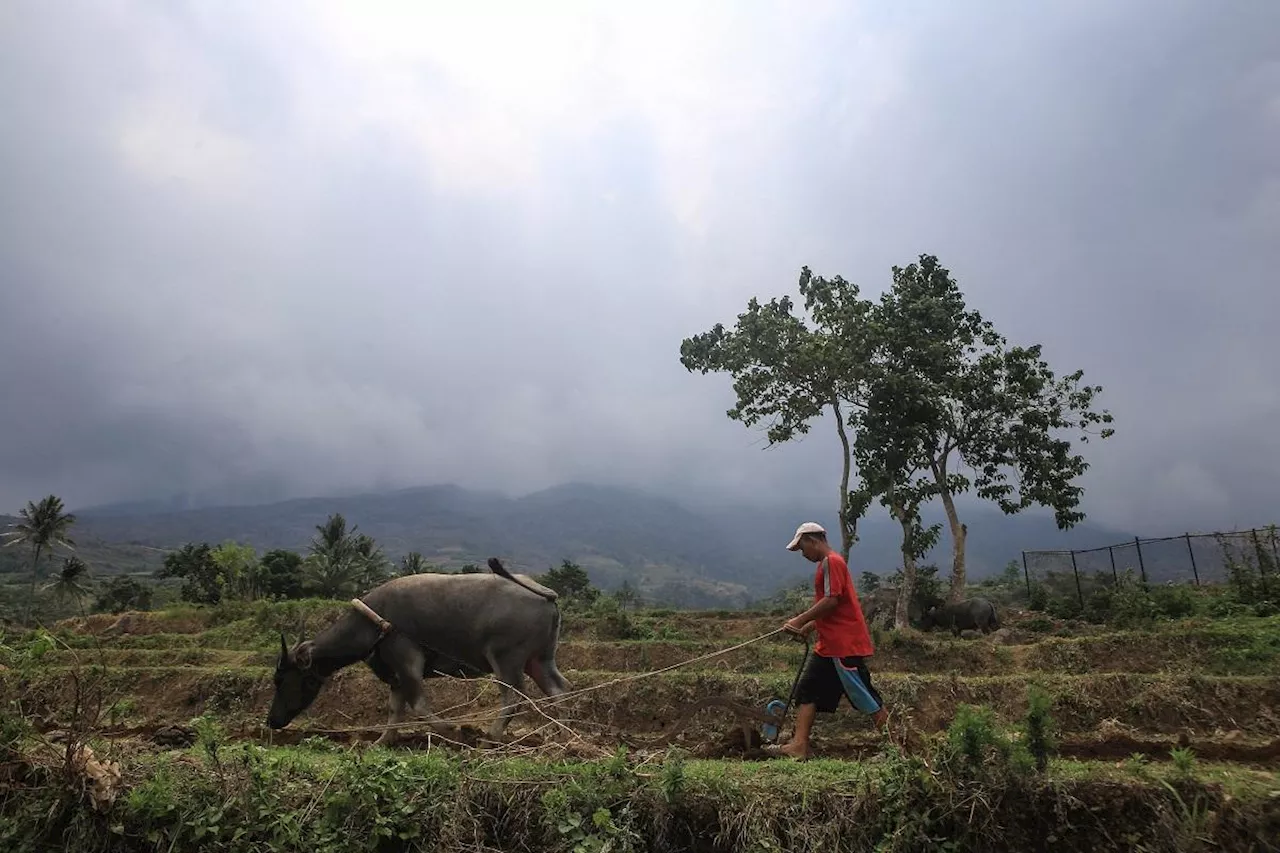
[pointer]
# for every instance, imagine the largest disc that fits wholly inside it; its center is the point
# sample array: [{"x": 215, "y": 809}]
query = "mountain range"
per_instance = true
[{"x": 694, "y": 555}]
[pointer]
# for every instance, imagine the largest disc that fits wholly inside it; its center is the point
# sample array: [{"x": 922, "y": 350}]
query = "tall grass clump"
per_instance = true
[
  {"x": 1039, "y": 736},
  {"x": 975, "y": 746}
]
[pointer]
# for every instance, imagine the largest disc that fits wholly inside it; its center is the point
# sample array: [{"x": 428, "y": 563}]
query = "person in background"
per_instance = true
[{"x": 837, "y": 668}]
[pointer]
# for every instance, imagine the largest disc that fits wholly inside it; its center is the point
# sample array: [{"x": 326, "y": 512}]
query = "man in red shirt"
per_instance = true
[{"x": 837, "y": 666}]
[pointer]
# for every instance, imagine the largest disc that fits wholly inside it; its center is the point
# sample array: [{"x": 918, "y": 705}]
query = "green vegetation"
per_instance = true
[
  {"x": 572, "y": 583},
  {"x": 340, "y": 563},
  {"x": 246, "y": 797},
  {"x": 42, "y": 527},
  {"x": 915, "y": 384},
  {"x": 998, "y": 743}
]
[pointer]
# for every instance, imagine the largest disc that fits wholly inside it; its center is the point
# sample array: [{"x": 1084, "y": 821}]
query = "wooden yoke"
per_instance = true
[{"x": 383, "y": 625}]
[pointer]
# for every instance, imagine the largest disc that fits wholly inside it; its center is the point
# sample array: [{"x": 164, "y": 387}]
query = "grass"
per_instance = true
[
  {"x": 286, "y": 799},
  {"x": 971, "y": 780}
]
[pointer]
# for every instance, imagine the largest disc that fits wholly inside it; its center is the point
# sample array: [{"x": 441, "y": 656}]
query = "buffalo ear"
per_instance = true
[{"x": 303, "y": 655}]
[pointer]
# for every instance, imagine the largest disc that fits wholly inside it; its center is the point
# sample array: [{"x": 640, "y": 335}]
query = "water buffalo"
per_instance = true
[
  {"x": 970, "y": 614},
  {"x": 465, "y": 625}
]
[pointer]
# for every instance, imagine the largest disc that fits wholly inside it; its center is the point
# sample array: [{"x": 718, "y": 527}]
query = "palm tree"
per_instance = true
[
  {"x": 414, "y": 563},
  {"x": 334, "y": 536},
  {"x": 374, "y": 565},
  {"x": 342, "y": 560},
  {"x": 43, "y": 526},
  {"x": 72, "y": 582},
  {"x": 336, "y": 565},
  {"x": 332, "y": 575}
]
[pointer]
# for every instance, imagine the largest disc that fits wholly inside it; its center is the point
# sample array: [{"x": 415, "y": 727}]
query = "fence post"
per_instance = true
[
  {"x": 1262, "y": 569},
  {"x": 1275, "y": 552},
  {"x": 1142, "y": 567},
  {"x": 1026, "y": 574},
  {"x": 1115, "y": 578},
  {"x": 1191, "y": 552},
  {"x": 1074, "y": 571}
]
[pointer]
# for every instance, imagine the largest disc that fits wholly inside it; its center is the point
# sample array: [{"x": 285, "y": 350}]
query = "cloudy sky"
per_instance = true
[{"x": 269, "y": 248}]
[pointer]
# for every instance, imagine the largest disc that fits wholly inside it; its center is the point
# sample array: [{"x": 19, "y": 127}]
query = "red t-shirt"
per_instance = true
[{"x": 843, "y": 631}]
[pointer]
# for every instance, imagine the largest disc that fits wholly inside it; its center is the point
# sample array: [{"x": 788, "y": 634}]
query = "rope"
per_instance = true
[
  {"x": 551, "y": 702},
  {"x": 638, "y": 676}
]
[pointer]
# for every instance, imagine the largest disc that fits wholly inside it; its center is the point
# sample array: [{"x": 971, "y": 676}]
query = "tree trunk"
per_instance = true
[
  {"x": 959, "y": 533},
  {"x": 846, "y": 528},
  {"x": 35, "y": 576},
  {"x": 902, "y": 612}
]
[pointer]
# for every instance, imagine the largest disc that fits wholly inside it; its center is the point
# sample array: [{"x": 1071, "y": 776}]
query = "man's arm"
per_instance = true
[{"x": 800, "y": 624}]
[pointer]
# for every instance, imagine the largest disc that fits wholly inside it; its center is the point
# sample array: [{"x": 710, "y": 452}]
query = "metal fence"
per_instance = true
[{"x": 1197, "y": 558}]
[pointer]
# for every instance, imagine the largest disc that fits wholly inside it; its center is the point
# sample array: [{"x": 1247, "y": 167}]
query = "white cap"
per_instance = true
[{"x": 807, "y": 527}]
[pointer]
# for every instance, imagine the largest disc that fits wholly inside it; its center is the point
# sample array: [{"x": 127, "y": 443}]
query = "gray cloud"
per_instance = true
[{"x": 262, "y": 251}]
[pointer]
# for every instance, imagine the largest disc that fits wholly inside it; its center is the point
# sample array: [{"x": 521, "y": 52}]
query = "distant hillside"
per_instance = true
[
  {"x": 711, "y": 554},
  {"x": 102, "y": 557}
]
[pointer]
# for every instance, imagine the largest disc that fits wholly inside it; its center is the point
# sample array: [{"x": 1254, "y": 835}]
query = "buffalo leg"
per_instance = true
[
  {"x": 394, "y": 719},
  {"x": 543, "y": 671},
  {"x": 406, "y": 665},
  {"x": 511, "y": 675}
]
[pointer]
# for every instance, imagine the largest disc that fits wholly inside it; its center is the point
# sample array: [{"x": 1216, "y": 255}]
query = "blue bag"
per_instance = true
[{"x": 856, "y": 689}]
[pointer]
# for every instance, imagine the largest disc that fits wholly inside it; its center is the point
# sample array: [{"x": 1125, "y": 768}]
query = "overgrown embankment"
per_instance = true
[{"x": 246, "y": 798}]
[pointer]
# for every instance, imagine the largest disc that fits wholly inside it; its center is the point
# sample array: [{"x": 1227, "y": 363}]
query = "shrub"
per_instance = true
[
  {"x": 1175, "y": 602},
  {"x": 1038, "y": 728},
  {"x": 1040, "y": 625},
  {"x": 123, "y": 593},
  {"x": 13, "y": 728},
  {"x": 1131, "y": 603},
  {"x": 928, "y": 591},
  {"x": 975, "y": 746},
  {"x": 614, "y": 623},
  {"x": 1184, "y": 761},
  {"x": 1064, "y": 607},
  {"x": 1039, "y": 598}
]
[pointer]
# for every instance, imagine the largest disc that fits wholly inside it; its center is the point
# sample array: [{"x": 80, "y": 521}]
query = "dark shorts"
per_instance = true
[{"x": 820, "y": 683}]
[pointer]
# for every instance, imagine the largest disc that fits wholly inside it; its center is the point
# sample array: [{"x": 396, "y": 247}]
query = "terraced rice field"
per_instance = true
[{"x": 1211, "y": 687}]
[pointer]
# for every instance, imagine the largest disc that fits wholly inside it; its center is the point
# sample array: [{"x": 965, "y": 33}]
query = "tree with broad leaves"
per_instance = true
[
  {"x": 787, "y": 372},
  {"x": 121, "y": 594},
  {"x": 201, "y": 576},
  {"x": 894, "y": 434},
  {"x": 239, "y": 571},
  {"x": 43, "y": 527},
  {"x": 281, "y": 574},
  {"x": 978, "y": 402},
  {"x": 571, "y": 581},
  {"x": 897, "y": 478}
]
